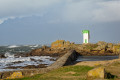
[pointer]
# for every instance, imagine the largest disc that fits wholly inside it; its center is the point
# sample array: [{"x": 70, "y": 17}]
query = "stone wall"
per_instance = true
[
  {"x": 62, "y": 61},
  {"x": 67, "y": 59}
]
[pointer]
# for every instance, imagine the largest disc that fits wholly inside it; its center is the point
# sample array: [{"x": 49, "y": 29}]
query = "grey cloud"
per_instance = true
[
  {"x": 66, "y": 10},
  {"x": 17, "y": 8},
  {"x": 94, "y": 10},
  {"x": 108, "y": 11}
]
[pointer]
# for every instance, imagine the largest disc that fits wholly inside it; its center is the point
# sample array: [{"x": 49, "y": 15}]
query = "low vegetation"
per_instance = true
[
  {"x": 77, "y": 72},
  {"x": 63, "y": 73}
]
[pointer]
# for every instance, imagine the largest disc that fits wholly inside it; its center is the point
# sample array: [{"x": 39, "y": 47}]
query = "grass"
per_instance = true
[
  {"x": 75, "y": 72},
  {"x": 63, "y": 73}
]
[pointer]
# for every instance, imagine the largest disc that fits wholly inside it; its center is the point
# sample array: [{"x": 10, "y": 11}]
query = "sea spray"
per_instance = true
[
  {"x": 19, "y": 62},
  {"x": 13, "y": 46},
  {"x": 7, "y": 54}
]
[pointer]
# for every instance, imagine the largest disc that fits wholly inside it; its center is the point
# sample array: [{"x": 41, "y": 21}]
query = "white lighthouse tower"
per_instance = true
[{"x": 86, "y": 36}]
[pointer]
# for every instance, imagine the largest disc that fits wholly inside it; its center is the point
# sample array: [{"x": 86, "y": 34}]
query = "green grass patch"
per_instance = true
[{"x": 63, "y": 73}]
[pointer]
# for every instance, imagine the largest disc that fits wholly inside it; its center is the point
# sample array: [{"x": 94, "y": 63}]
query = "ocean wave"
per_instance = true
[
  {"x": 13, "y": 46},
  {"x": 34, "y": 45},
  {"x": 24, "y": 61},
  {"x": 7, "y": 54},
  {"x": 11, "y": 59}
]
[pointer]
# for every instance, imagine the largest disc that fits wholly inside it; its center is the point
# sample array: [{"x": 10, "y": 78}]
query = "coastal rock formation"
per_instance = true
[
  {"x": 116, "y": 49},
  {"x": 61, "y": 44},
  {"x": 100, "y": 48},
  {"x": 2, "y": 56},
  {"x": 60, "y": 47},
  {"x": 15, "y": 75},
  {"x": 47, "y": 52},
  {"x": 97, "y": 73}
]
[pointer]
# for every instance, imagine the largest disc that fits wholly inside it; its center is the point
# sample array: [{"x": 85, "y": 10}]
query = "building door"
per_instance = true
[{"x": 86, "y": 41}]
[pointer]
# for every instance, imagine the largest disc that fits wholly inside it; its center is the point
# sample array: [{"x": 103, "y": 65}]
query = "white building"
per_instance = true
[{"x": 86, "y": 36}]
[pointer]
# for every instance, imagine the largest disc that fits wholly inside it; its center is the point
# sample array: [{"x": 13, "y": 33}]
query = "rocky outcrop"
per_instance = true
[
  {"x": 15, "y": 75},
  {"x": 2, "y": 56},
  {"x": 60, "y": 47},
  {"x": 97, "y": 73},
  {"x": 100, "y": 48},
  {"x": 116, "y": 49},
  {"x": 47, "y": 52},
  {"x": 61, "y": 44}
]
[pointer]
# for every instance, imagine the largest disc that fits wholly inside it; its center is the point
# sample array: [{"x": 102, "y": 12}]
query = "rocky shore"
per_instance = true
[{"x": 60, "y": 47}]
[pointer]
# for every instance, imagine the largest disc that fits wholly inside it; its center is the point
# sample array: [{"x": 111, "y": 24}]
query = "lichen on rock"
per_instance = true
[
  {"x": 99, "y": 73},
  {"x": 60, "y": 44},
  {"x": 15, "y": 75}
]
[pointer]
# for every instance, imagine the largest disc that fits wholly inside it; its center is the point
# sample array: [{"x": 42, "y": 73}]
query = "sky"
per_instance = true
[{"x": 44, "y": 21}]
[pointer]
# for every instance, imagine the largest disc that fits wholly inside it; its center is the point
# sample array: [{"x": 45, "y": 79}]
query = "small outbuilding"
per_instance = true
[{"x": 86, "y": 36}]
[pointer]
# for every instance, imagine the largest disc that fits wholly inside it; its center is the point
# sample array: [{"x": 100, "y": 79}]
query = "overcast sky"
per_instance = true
[{"x": 44, "y": 21}]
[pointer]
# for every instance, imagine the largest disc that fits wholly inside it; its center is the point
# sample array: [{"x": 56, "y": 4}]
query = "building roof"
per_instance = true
[{"x": 85, "y": 31}]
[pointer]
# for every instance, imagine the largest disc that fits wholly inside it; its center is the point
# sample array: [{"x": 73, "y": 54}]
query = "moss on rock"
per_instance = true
[
  {"x": 97, "y": 73},
  {"x": 15, "y": 75},
  {"x": 60, "y": 44}
]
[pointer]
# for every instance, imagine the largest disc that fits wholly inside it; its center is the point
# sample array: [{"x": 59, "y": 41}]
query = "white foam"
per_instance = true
[
  {"x": 24, "y": 61},
  {"x": 4, "y": 70},
  {"x": 7, "y": 54},
  {"x": 34, "y": 46},
  {"x": 13, "y": 46},
  {"x": 11, "y": 59}
]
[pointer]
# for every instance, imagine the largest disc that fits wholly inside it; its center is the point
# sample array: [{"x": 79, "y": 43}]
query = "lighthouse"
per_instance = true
[{"x": 86, "y": 36}]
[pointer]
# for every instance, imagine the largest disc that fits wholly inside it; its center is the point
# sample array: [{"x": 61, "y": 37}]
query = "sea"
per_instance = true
[
  {"x": 17, "y": 48},
  {"x": 96, "y": 58},
  {"x": 14, "y": 61}
]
